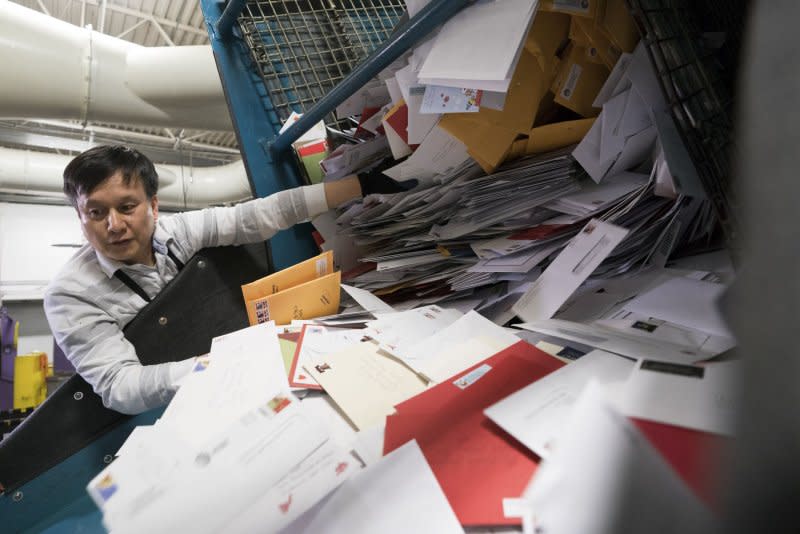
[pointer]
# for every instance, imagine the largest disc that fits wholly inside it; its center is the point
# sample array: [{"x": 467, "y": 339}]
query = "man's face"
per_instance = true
[{"x": 118, "y": 220}]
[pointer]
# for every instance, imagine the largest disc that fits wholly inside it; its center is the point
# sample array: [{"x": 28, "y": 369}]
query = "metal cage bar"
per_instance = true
[
  {"x": 303, "y": 48},
  {"x": 698, "y": 82}
]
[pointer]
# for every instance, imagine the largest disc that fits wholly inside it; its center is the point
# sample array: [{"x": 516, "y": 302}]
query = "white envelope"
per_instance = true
[
  {"x": 702, "y": 398},
  {"x": 459, "y": 59},
  {"x": 536, "y": 414},
  {"x": 398, "y": 494},
  {"x": 569, "y": 270},
  {"x": 687, "y": 302},
  {"x": 615, "y": 341},
  {"x": 606, "y": 478},
  {"x": 275, "y": 459}
]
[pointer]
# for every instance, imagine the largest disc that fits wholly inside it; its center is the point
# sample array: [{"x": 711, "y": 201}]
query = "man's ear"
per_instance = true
[{"x": 154, "y": 206}]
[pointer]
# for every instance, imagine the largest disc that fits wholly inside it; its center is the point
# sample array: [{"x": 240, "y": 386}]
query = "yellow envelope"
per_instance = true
[
  {"x": 518, "y": 149},
  {"x": 578, "y": 81},
  {"x": 547, "y": 34},
  {"x": 488, "y": 134},
  {"x": 618, "y": 25},
  {"x": 305, "y": 301},
  {"x": 304, "y": 271},
  {"x": 487, "y": 144},
  {"x": 599, "y": 48},
  {"x": 554, "y": 136}
]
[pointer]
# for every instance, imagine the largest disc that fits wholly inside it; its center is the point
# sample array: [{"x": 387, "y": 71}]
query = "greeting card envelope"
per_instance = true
[
  {"x": 476, "y": 463},
  {"x": 305, "y": 301},
  {"x": 314, "y": 344},
  {"x": 305, "y": 271}
]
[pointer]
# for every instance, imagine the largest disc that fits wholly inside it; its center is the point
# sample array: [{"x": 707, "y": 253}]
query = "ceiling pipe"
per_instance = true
[
  {"x": 24, "y": 173},
  {"x": 55, "y": 70}
]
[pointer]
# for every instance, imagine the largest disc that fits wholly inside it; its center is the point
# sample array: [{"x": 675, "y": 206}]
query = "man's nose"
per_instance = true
[{"x": 115, "y": 222}]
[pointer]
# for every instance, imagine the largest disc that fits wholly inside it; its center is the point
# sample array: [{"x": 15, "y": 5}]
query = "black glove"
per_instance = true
[{"x": 374, "y": 181}]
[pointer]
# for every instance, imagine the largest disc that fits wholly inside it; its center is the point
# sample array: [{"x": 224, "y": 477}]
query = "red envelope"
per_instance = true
[
  {"x": 692, "y": 454},
  {"x": 476, "y": 463}
]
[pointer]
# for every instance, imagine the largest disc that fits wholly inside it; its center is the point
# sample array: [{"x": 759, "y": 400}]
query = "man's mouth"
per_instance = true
[{"x": 120, "y": 243}]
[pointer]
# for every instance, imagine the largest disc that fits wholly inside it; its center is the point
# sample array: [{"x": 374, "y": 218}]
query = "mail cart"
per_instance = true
[{"x": 279, "y": 57}]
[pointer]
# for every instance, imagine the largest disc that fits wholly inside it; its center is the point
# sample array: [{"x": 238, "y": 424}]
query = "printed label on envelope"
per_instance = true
[
  {"x": 439, "y": 99},
  {"x": 473, "y": 376}
]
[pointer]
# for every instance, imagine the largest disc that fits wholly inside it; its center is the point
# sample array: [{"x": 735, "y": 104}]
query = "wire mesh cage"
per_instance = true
[
  {"x": 694, "y": 46},
  {"x": 303, "y": 49}
]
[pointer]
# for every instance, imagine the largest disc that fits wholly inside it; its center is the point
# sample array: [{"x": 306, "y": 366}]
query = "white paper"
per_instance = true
[
  {"x": 439, "y": 153},
  {"x": 401, "y": 331},
  {"x": 247, "y": 365},
  {"x": 471, "y": 325},
  {"x": 606, "y": 478},
  {"x": 659, "y": 330},
  {"x": 615, "y": 81},
  {"x": 275, "y": 460},
  {"x": 536, "y": 414},
  {"x": 701, "y": 398},
  {"x": 462, "y": 355},
  {"x": 394, "y": 90},
  {"x": 615, "y": 341},
  {"x": 138, "y": 434},
  {"x": 568, "y": 271},
  {"x": 373, "y": 95},
  {"x": 458, "y": 54},
  {"x": 419, "y": 124},
  {"x": 367, "y": 300},
  {"x": 399, "y": 494},
  {"x": 683, "y": 301}
]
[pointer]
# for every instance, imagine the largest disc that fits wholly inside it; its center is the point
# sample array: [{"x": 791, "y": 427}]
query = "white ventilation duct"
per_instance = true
[
  {"x": 25, "y": 173},
  {"x": 55, "y": 70}
]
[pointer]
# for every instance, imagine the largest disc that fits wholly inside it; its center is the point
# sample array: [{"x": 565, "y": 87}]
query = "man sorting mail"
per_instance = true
[{"x": 131, "y": 254}]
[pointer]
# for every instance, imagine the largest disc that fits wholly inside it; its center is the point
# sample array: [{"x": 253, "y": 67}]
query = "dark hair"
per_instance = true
[{"x": 94, "y": 166}]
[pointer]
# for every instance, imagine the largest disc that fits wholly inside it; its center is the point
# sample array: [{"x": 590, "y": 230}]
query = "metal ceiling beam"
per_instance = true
[{"x": 160, "y": 20}]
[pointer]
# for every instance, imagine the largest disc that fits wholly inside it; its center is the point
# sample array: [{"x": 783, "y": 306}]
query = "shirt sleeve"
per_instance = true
[
  {"x": 249, "y": 222},
  {"x": 95, "y": 345}
]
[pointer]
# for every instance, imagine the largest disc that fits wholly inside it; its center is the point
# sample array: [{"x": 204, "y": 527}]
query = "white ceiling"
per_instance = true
[{"x": 145, "y": 22}]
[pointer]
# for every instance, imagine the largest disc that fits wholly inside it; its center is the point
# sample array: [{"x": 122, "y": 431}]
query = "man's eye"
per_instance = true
[
  {"x": 128, "y": 208},
  {"x": 95, "y": 214}
]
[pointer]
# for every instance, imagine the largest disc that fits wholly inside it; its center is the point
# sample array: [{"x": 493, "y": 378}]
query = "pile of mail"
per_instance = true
[
  {"x": 521, "y": 143},
  {"x": 517, "y": 344},
  {"x": 437, "y": 419}
]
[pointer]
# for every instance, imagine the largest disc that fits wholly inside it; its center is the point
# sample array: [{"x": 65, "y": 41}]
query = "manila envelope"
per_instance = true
[
  {"x": 305, "y": 271},
  {"x": 305, "y": 301},
  {"x": 558, "y": 135},
  {"x": 618, "y": 25},
  {"x": 488, "y": 134},
  {"x": 599, "y": 48},
  {"x": 487, "y": 144},
  {"x": 548, "y": 34},
  {"x": 578, "y": 81}
]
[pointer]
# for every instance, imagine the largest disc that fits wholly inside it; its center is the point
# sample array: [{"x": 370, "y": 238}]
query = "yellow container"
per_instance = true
[{"x": 30, "y": 384}]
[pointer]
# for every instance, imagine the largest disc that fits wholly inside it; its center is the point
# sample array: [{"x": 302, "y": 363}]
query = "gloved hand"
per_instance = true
[{"x": 374, "y": 181}]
